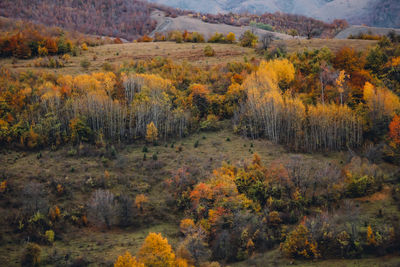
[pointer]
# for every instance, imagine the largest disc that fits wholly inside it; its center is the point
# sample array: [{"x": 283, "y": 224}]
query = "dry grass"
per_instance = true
[
  {"x": 116, "y": 55},
  {"x": 296, "y": 45}
]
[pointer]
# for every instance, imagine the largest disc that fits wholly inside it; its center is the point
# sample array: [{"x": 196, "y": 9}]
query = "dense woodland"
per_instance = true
[
  {"x": 308, "y": 102},
  {"x": 121, "y": 18}
]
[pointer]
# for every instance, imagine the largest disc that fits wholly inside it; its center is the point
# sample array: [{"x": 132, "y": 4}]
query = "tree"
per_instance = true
[
  {"x": 156, "y": 251},
  {"x": 293, "y": 32},
  {"x": 299, "y": 244},
  {"x": 186, "y": 226},
  {"x": 127, "y": 260},
  {"x": 394, "y": 131},
  {"x": 340, "y": 84},
  {"x": 42, "y": 51},
  {"x": 101, "y": 208},
  {"x": 231, "y": 38},
  {"x": 248, "y": 39},
  {"x": 151, "y": 132},
  {"x": 84, "y": 47},
  {"x": 125, "y": 210},
  {"x": 217, "y": 38},
  {"x": 51, "y": 46},
  {"x": 266, "y": 40},
  {"x": 371, "y": 240},
  {"x": 140, "y": 201}
]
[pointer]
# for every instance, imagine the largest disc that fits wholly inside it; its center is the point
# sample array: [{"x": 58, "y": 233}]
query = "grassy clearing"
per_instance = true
[
  {"x": 118, "y": 54},
  {"x": 115, "y": 55}
]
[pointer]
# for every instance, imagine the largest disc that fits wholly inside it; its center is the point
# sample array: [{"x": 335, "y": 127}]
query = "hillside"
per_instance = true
[
  {"x": 182, "y": 23},
  {"x": 132, "y": 19},
  {"x": 118, "y": 18},
  {"x": 356, "y": 30},
  {"x": 126, "y": 140},
  {"x": 381, "y": 13}
]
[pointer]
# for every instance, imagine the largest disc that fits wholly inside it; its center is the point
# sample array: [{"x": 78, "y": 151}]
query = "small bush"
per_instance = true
[
  {"x": 209, "y": 51},
  {"x": 248, "y": 39},
  {"x": 85, "y": 64},
  {"x": 49, "y": 236},
  {"x": 145, "y": 149},
  {"x": 107, "y": 66},
  {"x": 196, "y": 144},
  {"x": 84, "y": 47},
  {"x": 154, "y": 157},
  {"x": 361, "y": 186},
  {"x": 72, "y": 152}
]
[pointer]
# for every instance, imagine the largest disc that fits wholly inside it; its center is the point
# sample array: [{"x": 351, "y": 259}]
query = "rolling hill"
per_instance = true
[{"x": 381, "y": 13}]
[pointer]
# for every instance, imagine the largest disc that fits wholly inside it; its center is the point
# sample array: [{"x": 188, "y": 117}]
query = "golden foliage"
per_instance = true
[
  {"x": 371, "y": 240},
  {"x": 230, "y": 37},
  {"x": 127, "y": 260},
  {"x": 156, "y": 251},
  {"x": 84, "y": 47},
  {"x": 300, "y": 244},
  {"x": 380, "y": 101},
  {"x": 268, "y": 77},
  {"x": 3, "y": 186},
  {"x": 186, "y": 225},
  {"x": 151, "y": 132},
  {"x": 140, "y": 200}
]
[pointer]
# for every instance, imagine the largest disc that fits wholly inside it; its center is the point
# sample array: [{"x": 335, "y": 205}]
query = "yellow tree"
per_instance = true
[
  {"x": 140, "y": 201},
  {"x": 340, "y": 84},
  {"x": 299, "y": 244},
  {"x": 371, "y": 240},
  {"x": 156, "y": 251},
  {"x": 231, "y": 38},
  {"x": 127, "y": 260},
  {"x": 151, "y": 132}
]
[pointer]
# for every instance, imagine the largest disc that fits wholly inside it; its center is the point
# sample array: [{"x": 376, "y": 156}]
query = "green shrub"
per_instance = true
[
  {"x": 248, "y": 39},
  {"x": 210, "y": 124},
  {"x": 361, "y": 186},
  {"x": 262, "y": 26},
  {"x": 217, "y": 38},
  {"x": 155, "y": 157}
]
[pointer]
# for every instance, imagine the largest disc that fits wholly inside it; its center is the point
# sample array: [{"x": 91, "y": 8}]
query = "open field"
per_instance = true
[{"x": 116, "y": 54}]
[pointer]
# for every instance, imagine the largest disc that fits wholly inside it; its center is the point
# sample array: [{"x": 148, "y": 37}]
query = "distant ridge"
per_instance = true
[{"x": 380, "y": 13}]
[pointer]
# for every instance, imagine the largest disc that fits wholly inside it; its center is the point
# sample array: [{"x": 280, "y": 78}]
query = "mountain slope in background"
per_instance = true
[
  {"x": 382, "y": 13},
  {"x": 127, "y": 19}
]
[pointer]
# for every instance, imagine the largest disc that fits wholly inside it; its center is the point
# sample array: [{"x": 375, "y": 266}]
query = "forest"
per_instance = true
[{"x": 295, "y": 153}]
